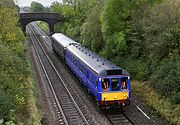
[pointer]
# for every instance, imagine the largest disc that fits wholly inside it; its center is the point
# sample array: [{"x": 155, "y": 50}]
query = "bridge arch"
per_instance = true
[{"x": 50, "y": 18}]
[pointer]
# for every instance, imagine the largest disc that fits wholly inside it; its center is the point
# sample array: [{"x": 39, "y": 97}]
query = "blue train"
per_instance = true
[{"x": 108, "y": 83}]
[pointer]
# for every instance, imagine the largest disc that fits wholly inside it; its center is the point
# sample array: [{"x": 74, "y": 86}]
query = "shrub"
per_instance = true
[{"x": 166, "y": 79}]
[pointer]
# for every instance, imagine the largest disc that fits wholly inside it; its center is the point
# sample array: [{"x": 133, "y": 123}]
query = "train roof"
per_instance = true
[
  {"x": 62, "y": 39},
  {"x": 97, "y": 63}
]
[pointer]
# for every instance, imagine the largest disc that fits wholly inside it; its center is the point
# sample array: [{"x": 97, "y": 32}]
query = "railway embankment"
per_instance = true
[
  {"x": 17, "y": 88},
  {"x": 160, "y": 107}
]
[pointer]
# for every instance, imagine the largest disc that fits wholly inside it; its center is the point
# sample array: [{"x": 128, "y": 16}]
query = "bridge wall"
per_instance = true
[{"x": 50, "y": 18}]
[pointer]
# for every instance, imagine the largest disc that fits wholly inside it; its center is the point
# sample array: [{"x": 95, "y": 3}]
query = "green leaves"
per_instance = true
[
  {"x": 37, "y": 7},
  {"x": 114, "y": 15},
  {"x": 120, "y": 42},
  {"x": 166, "y": 78},
  {"x": 13, "y": 65}
]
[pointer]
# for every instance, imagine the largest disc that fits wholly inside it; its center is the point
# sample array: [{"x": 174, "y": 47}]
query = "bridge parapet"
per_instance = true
[{"x": 50, "y": 18}]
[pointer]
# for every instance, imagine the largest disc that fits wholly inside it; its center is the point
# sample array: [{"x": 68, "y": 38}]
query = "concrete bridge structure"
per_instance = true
[{"x": 50, "y": 18}]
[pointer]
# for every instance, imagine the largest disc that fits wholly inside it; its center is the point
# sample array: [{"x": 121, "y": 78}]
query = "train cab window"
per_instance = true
[
  {"x": 124, "y": 84},
  {"x": 105, "y": 85},
  {"x": 115, "y": 84}
]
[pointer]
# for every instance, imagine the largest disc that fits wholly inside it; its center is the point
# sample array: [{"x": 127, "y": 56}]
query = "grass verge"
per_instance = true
[
  {"x": 43, "y": 25},
  {"x": 161, "y": 105},
  {"x": 34, "y": 113}
]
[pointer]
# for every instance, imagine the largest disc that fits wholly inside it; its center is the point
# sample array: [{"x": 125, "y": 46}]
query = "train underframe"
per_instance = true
[{"x": 113, "y": 104}]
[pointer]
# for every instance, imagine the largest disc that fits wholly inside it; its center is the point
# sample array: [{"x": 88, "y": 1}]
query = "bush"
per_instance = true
[
  {"x": 166, "y": 79},
  {"x": 175, "y": 98},
  {"x": 14, "y": 72}
]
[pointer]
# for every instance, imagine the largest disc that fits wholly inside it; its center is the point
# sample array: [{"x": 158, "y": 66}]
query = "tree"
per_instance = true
[
  {"x": 7, "y": 3},
  {"x": 114, "y": 20},
  {"x": 91, "y": 35},
  {"x": 37, "y": 7}
]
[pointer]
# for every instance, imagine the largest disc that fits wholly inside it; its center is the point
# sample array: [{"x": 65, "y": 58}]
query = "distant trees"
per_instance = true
[{"x": 38, "y": 7}]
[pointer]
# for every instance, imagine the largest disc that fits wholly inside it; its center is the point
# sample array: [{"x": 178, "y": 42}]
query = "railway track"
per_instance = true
[
  {"x": 67, "y": 109},
  {"x": 118, "y": 118}
]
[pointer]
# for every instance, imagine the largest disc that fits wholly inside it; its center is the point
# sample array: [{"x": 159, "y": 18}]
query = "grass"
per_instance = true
[
  {"x": 43, "y": 25},
  {"x": 34, "y": 115},
  {"x": 161, "y": 105},
  {"x": 33, "y": 111}
]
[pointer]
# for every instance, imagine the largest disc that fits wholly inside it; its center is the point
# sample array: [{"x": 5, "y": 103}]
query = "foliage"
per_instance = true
[
  {"x": 113, "y": 21},
  {"x": 166, "y": 79},
  {"x": 162, "y": 106},
  {"x": 76, "y": 13},
  {"x": 91, "y": 30},
  {"x": 7, "y": 3},
  {"x": 43, "y": 26},
  {"x": 38, "y": 7},
  {"x": 14, "y": 72},
  {"x": 158, "y": 46}
]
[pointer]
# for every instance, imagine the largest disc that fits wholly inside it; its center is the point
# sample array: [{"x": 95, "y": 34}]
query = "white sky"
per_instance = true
[{"x": 45, "y": 3}]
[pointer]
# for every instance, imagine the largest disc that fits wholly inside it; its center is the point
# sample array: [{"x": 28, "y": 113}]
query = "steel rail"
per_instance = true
[
  {"x": 50, "y": 84},
  {"x": 76, "y": 105},
  {"x": 38, "y": 29}
]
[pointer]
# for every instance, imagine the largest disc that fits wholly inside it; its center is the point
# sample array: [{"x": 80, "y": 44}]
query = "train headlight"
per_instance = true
[
  {"x": 100, "y": 79},
  {"x": 125, "y": 95}
]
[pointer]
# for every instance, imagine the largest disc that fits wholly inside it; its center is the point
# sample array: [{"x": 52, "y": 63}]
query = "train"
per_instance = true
[{"x": 109, "y": 84}]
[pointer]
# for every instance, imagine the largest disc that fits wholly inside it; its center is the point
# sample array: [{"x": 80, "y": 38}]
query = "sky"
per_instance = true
[{"x": 45, "y": 3}]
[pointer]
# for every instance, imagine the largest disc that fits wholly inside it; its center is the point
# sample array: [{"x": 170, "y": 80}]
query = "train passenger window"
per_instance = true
[
  {"x": 105, "y": 84},
  {"x": 77, "y": 63},
  {"x": 96, "y": 84},
  {"x": 115, "y": 84},
  {"x": 124, "y": 85},
  {"x": 91, "y": 78},
  {"x": 69, "y": 56},
  {"x": 80, "y": 68},
  {"x": 87, "y": 75}
]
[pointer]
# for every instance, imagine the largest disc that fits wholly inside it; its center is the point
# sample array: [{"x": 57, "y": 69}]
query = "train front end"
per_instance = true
[{"x": 114, "y": 91}]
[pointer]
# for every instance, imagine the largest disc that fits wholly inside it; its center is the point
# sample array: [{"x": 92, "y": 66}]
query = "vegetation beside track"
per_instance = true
[
  {"x": 161, "y": 106},
  {"x": 17, "y": 90},
  {"x": 43, "y": 25}
]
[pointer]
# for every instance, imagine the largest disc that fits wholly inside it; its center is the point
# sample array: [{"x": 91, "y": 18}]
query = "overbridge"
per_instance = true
[{"x": 50, "y": 18}]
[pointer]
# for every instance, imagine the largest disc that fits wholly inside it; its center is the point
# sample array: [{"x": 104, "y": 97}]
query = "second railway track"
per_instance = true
[{"x": 68, "y": 109}]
